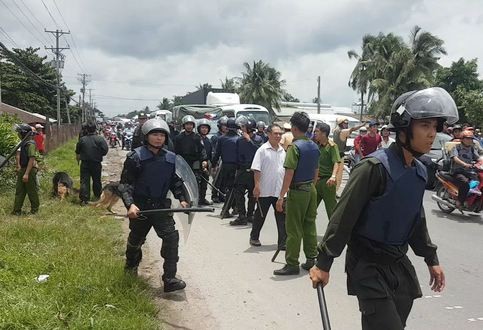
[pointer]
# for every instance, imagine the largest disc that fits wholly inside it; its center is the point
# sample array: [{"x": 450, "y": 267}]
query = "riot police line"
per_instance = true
[{"x": 376, "y": 261}]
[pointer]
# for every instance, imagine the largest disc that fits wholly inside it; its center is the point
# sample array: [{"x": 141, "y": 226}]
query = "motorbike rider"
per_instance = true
[
  {"x": 246, "y": 147},
  {"x": 203, "y": 129},
  {"x": 147, "y": 175},
  {"x": 463, "y": 155},
  {"x": 261, "y": 131},
  {"x": 188, "y": 145},
  {"x": 214, "y": 141},
  {"x": 380, "y": 214}
]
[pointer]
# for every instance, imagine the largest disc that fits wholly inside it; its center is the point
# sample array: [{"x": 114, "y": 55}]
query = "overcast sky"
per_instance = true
[{"x": 149, "y": 49}]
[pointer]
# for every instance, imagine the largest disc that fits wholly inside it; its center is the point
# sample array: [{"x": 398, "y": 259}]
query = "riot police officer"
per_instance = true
[
  {"x": 261, "y": 131},
  {"x": 380, "y": 214},
  {"x": 203, "y": 129},
  {"x": 246, "y": 147},
  {"x": 216, "y": 177},
  {"x": 188, "y": 145},
  {"x": 138, "y": 138},
  {"x": 226, "y": 149},
  {"x": 147, "y": 175},
  {"x": 301, "y": 173}
]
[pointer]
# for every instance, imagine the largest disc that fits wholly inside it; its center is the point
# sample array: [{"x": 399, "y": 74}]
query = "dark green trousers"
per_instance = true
[
  {"x": 30, "y": 188},
  {"x": 327, "y": 194},
  {"x": 300, "y": 223}
]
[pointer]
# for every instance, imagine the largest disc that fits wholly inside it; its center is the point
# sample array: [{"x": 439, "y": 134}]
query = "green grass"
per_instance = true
[{"x": 82, "y": 252}]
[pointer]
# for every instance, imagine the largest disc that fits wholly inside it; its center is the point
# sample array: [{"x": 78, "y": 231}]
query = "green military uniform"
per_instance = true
[
  {"x": 31, "y": 187},
  {"x": 329, "y": 155},
  {"x": 301, "y": 211},
  {"x": 379, "y": 274}
]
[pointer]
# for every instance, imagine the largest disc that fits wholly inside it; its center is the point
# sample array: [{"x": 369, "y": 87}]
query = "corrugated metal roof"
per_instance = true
[{"x": 25, "y": 116}]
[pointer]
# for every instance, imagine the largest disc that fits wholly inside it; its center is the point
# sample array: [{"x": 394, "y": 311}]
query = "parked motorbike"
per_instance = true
[{"x": 447, "y": 192}]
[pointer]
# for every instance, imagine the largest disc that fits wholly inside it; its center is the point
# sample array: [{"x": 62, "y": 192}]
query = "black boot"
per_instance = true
[
  {"x": 133, "y": 271},
  {"x": 287, "y": 270},
  {"x": 240, "y": 221},
  {"x": 308, "y": 264},
  {"x": 250, "y": 219},
  {"x": 173, "y": 284}
]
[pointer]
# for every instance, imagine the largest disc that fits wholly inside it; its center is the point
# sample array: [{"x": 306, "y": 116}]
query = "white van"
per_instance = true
[
  {"x": 331, "y": 120},
  {"x": 258, "y": 112},
  {"x": 166, "y": 115}
]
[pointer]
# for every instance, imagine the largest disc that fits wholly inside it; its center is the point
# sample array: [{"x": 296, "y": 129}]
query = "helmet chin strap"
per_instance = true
[{"x": 407, "y": 145}]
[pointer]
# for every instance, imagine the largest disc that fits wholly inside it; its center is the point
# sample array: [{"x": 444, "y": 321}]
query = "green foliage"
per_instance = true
[
  {"x": 8, "y": 137},
  {"x": 165, "y": 104},
  {"x": 82, "y": 251},
  {"x": 388, "y": 67},
  {"x": 203, "y": 86},
  {"x": 230, "y": 85},
  {"x": 471, "y": 103},
  {"x": 22, "y": 90},
  {"x": 262, "y": 84}
]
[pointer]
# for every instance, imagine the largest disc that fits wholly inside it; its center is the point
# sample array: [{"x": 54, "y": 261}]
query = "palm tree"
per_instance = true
[
  {"x": 261, "y": 84},
  {"x": 229, "y": 84}
]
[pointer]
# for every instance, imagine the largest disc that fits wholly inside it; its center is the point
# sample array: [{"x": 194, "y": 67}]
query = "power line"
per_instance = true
[
  {"x": 125, "y": 98},
  {"x": 50, "y": 14},
  {"x": 42, "y": 26},
  {"x": 20, "y": 21},
  {"x": 30, "y": 21},
  {"x": 8, "y": 37},
  {"x": 81, "y": 64}
]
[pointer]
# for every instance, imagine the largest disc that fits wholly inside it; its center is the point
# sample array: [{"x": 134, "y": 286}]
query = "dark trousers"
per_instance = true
[
  {"x": 243, "y": 182},
  {"x": 88, "y": 170},
  {"x": 264, "y": 204},
  {"x": 227, "y": 179},
  {"x": 461, "y": 180},
  {"x": 164, "y": 227},
  {"x": 385, "y": 290}
]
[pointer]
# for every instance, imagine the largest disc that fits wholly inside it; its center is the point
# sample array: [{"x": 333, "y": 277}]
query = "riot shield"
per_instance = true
[
  {"x": 4, "y": 160},
  {"x": 190, "y": 185}
]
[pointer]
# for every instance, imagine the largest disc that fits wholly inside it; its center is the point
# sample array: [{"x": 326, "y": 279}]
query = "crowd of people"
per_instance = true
[{"x": 293, "y": 168}]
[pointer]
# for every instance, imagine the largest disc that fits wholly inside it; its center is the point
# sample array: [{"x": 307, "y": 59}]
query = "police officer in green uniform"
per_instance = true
[
  {"x": 380, "y": 214},
  {"x": 27, "y": 183},
  {"x": 329, "y": 163},
  {"x": 301, "y": 172}
]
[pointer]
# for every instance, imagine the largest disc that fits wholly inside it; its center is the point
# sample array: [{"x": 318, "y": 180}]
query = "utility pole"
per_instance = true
[
  {"x": 57, "y": 51},
  {"x": 84, "y": 79},
  {"x": 91, "y": 105},
  {"x": 318, "y": 95},
  {"x": 67, "y": 109}
]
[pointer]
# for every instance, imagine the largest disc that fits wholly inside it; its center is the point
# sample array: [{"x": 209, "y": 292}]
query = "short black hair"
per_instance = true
[
  {"x": 271, "y": 127},
  {"x": 91, "y": 127},
  {"x": 323, "y": 127},
  {"x": 301, "y": 121}
]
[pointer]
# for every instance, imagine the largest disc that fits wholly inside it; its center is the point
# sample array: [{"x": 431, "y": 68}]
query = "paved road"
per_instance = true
[{"x": 231, "y": 286}]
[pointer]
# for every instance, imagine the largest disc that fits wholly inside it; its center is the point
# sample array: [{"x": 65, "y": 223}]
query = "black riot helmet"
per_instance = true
[
  {"x": 432, "y": 102},
  {"x": 428, "y": 103},
  {"x": 24, "y": 130},
  {"x": 222, "y": 121},
  {"x": 231, "y": 124},
  {"x": 251, "y": 125}
]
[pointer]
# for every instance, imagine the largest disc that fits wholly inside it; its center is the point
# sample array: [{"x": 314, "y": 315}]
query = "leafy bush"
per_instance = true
[{"x": 8, "y": 140}]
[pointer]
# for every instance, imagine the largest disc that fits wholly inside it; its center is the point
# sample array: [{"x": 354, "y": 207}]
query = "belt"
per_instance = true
[{"x": 300, "y": 185}]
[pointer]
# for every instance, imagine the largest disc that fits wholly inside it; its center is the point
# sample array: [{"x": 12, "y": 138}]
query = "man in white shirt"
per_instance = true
[
  {"x": 386, "y": 139},
  {"x": 268, "y": 172}
]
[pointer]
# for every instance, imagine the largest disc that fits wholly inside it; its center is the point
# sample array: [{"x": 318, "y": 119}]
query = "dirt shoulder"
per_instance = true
[{"x": 183, "y": 310}]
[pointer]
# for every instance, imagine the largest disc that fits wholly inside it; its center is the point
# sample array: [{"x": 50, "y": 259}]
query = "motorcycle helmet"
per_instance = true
[
  {"x": 261, "y": 124},
  {"x": 222, "y": 121},
  {"x": 24, "y": 129},
  {"x": 203, "y": 122},
  {"x": 231, "y": 124},
  {"x": 155, "y": 125},
  {"x": 188, "y": 119},
  {"x": 432, "y": 102},
  {"x": 241, "y": 121}
]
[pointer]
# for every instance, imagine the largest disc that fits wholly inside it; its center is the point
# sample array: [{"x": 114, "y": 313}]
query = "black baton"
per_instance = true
[
  {"x": 323, "y": 307},
  {"x": 213, "y": 186},
  {"x": 178, "y": 210}
]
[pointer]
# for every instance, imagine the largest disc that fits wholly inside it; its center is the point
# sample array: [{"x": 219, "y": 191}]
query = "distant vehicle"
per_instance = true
[
  {"x": 330, "y": 119},
  {"x": 165, "y": 115},
  {"x": 257, "y": 112},
  {"x": 222, "y": 98},
  {"x": 198, "y": 111}
]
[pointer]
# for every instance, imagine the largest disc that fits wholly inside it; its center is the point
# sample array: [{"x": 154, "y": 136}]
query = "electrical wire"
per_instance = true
[
  {"x": 20, "y": 21},
  {"x": 38, "y": 21},
  {"x": 50, "y": 14},
  {"x": 8, "y": 37},
  {"x": 42, "y": 35}
]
